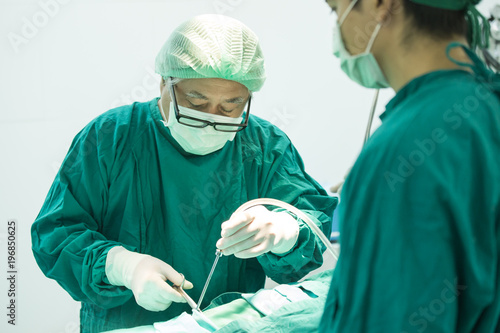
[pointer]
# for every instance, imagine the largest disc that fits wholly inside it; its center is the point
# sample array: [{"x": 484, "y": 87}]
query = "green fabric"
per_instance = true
[
  {"x": 139, "y": 329},
  {"x": 420, "y": 215},
  {"x": 300, "y": 317},
  {"x": 237, "y": 315},
  {"x": 482, "y": 72},
  {"x": 126, "y": 181},
  {"x": 238, "y": 309},
  {"x": 448, "y": 4}
]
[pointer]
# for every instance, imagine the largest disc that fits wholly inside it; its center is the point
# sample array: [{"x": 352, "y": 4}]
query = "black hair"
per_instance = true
[{"x": 436, "y": 22}]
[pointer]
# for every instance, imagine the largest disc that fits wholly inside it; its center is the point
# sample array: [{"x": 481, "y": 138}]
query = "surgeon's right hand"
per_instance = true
[{"x": 145, "y": 276}]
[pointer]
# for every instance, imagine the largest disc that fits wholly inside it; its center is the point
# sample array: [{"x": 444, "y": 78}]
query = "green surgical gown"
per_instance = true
[
  {"x": 125, "y": 181},
  {"x": 420, "y": 215}
]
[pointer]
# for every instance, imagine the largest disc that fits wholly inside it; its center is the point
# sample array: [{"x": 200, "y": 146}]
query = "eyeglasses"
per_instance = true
[{"x": 201, "y": 123}]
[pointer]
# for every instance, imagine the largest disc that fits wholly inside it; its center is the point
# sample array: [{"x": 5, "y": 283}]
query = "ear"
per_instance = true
[
  {"x": 163, "y": 84},
  {"x": 385, "y": 9}
]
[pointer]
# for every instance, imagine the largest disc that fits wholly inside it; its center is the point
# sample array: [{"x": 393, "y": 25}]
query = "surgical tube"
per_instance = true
[{"x": 297, "y": 212}]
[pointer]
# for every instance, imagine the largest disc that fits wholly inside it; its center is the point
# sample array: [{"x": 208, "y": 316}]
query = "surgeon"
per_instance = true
[
  {"x": 420, "y": 210},
  {"x": 148, "y": 191}
]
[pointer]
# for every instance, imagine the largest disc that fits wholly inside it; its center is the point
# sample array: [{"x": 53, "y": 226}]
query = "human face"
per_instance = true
[{"x": 215, "y": 96}]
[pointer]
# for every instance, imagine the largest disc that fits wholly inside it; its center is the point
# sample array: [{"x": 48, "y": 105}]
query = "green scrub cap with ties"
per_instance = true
[{"x": 479, "y": 27}]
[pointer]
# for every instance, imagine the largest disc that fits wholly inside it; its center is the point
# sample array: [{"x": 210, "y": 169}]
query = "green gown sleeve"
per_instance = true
[
  {"x": 417, "y": 234},
  {"x": 287, "y": 181},
  {"x": 66, "y": 239}
]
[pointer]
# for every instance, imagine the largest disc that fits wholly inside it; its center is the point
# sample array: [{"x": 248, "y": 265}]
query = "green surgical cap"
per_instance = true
[
  {"x": 448, "y": 4},
  {"x": 479, "y": 27},
  {"x": 213, "y": 46}
]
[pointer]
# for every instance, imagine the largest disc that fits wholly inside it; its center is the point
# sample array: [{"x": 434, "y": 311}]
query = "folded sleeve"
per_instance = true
[
  {"x": 66, "y": 236},
  {"x": 286, "y": 180}
]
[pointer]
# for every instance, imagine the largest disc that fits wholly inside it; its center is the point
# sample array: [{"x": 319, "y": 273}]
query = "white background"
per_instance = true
[{"x": 62, "y": 65}]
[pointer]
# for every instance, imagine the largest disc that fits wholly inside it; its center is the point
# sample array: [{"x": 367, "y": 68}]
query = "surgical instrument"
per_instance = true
[
  {"x": 181, "y": 291},
  {"x": 197, "y": 315},
  {"x": 218, "y": 254},
  {"x": 297, "y": 212}
]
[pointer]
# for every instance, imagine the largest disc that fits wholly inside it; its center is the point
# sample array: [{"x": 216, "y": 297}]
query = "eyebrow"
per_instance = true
[
  {"x": 198, "y": 95},
  {"x": 236, "y": 100}
]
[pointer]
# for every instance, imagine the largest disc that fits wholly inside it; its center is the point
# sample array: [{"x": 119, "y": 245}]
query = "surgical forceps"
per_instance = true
[{"x": 181, "y": 291}]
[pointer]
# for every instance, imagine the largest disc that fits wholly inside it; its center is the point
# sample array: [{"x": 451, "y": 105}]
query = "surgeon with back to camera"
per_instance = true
[
  {"x": 420, "y": 210},
  {"x": 140, "y": 200}
]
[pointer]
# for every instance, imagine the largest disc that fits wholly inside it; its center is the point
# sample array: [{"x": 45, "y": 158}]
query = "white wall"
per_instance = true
[{"x": 88, "y": 56}]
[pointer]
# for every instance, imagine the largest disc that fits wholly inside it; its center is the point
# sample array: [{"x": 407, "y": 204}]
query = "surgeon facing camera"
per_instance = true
[{"x": 148, "y": 191}]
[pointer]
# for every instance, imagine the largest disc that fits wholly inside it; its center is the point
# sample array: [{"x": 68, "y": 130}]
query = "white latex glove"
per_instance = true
[
  {"x": 146, "y": 276},
  {"x": 256, "y": 231}
]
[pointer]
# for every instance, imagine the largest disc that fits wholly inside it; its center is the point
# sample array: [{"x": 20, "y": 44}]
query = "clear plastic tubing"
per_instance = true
[{"x": 297, "y": 212}]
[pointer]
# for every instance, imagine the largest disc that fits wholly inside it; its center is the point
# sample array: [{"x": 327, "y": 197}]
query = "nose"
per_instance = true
[{"x": 212, "y": 109}]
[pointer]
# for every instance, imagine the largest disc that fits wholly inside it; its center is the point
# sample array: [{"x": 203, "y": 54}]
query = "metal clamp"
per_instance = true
[{"x": 181, "y": 291}]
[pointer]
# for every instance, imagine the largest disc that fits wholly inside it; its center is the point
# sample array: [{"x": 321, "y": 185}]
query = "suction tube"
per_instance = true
[{"x": 297, "y": 212}]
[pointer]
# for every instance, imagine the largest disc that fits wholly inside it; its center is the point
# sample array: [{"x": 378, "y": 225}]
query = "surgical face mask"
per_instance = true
[
  {"x": 362, "y": 68},
  {"x": 199, "y": 141}
]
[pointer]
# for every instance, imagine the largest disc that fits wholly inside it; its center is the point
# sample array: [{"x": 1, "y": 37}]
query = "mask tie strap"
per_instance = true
[
  {"x": 372, "y": 39},
  {"x": 479, "y": 28},
  {"x": 347, "y": 11}
]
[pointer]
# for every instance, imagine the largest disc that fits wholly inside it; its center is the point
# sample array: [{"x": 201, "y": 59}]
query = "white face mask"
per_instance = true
[
  {"x": 362, "y": 68},
  {"x": 199, "y": 141}
]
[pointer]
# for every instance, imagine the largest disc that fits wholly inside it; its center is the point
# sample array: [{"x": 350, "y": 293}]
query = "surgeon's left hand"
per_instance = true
[{"x": 256, "y": 231}]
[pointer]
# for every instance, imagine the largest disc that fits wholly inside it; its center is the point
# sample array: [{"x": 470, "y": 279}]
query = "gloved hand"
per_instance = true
[
  {"x": 146, "y": 276},
  {"x": 256, "y": 231}
]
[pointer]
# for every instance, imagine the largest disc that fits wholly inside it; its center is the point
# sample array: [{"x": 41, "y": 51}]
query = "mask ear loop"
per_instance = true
[
  {"x": 372, "y": 39},
  {"x": 375, "y": 32},
  {"x": 347, "y": 11}
]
